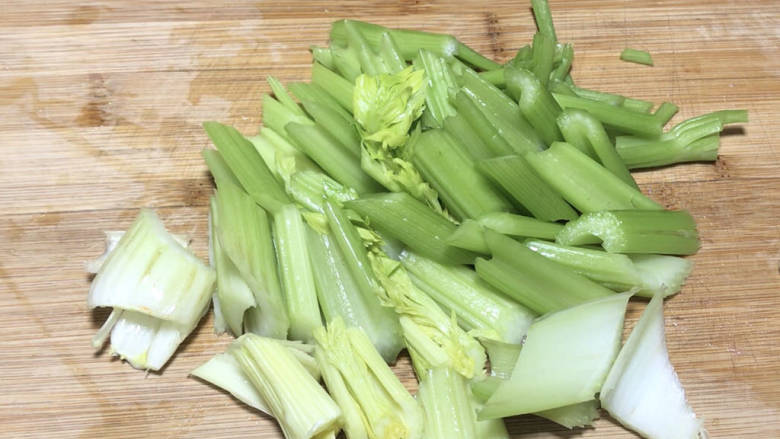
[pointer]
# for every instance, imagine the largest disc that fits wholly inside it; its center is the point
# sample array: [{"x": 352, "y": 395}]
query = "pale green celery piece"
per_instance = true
[
  {"x": 447, "y": 405},
  {"x": 585, "y": 183},
  {"x": 233, "y": 295},
  {"x": 636, "y": 56},
  {"x": 661, "y": 274},
  {"x": 218, "y": 168},
  {"x": 469, "y": 236},
  {"x": 146, "y": 273},
  {"x": 579, "y": 415},
  {"x": 244, "y": 234},
  {"x": 434, "y": 338},
  {"x": 370, "y": 63},
  {"x": 223, "y": 371},
  {"x": 533, "y": 280},
  {"x": 642, "y": 390},
  {"x": 333, "y": 84},
  {"x": 469, "y": 114},
  {"x": 276, "y": 115},
  {"x": 670, "y": 232},
  {"x": 502, "y": 355},
  {"x": 542, "y": 55},
  {"x": 322, "y": 55},
  {"x": 595, "y": 95},
  {"x": 112, "y": 239},
  {"x": 297, "y": 401},
  {"x": 477, "y": 306},
  {"x": 495, "y": 77},
  {"x": 421, "y": 229},
  {"x": 390, "y": 54},
  {"x": 346, "y": 61},
  {"x": 564, "y": 360},
  {"x": 535, "y": 102},
  {"x": 280, "y": 155},
  {"x": 484, "y": 389},
  {"x": 220, "y": 325},
  {"x": 543, "y": 16},
  {"x": 460, "y": 128},
  {"x": 283, "y": 96},
  {"x": 312, "y": 188},
  {"x": 563, "y": 67},
  {"x": 665, "y": 112},
  {"x": 333, "y": 157},
  {"x": 585, "y": 132},
  {"x": 525, "y": 186},
  {"x": 519, "y": 225},
  {"x": 616, "y": 117},
  {"x": 373, "y": 400},
  {"x": 300, "y": 293},
  {"x": 444, "y": 163},
  {"x": 340, "y": 126},
  {"x": 247, "y": 166},
  {"x": 306, "y": 91},
  {"x": 440, "y": 86}
]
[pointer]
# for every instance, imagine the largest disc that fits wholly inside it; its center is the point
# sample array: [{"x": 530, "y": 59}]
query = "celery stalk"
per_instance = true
[
  {"x": 533, "y": 280},
  {"x": 346, "y": 61},
  {"x": 282, "y": 157},
  {"x": 584, "y": 183},
  {"x": 408, "y": 220},
  {"x": 642, "y": 390},
  {"x": 581, "y": 414},
  {"x": 300, "y": 293},
  {"x": 634, "y": 231},
  {"x": 375, "y": 403},
  {"x": 477, "y": 306},
  {"x": 276, "y": 115},
  {"x": 562, "y": 69},
  {"x": 322, "y": 55},
  {"x": 621, "y": 119},
  {"x": 535, "y": 102},
  {"x": 564, "y": 360},
  {"x": 333, "y": 84},
  {"x": 518, "y": 178},
  {"x": 443, "y": 162},
  {"x": 219, "y": 169},
  {"x": 370, "y": 63},
  {"x": 247, "y": 165},
  {"x": 391, "y": 54},
  {"x": 665, "y": 112},
  {"x": 283, "y": 96},
  {"x": 439, "y": 86},
  {"x": 311, "y": 92},
  {"x": 223, "y": 371},
  {"x": 312, "y": 188},
  {"x": 544, "y": 21},
  {"x": 446, "y": 403},
  {"x": 542, "y": 54},
  {"x": 471, "y": 116},
  {"x": 636, "y": 56},
  {"x": 340, "y": 126},
  {"x": 470, "y": 233},
  {"x": 302, "y": 408},
  {"x": 460, "y": 128}
]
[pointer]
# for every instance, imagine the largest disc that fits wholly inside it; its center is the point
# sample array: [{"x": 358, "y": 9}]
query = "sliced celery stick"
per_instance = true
[
  {"x": 564, "y": 360},
  {"x": 417, "y": 226},
  {"x": 563, "y": 67},
  {"x": 300, "y": 293},
  {"x": 544, "y": 21},
  {"x": 462, "y": 130},
  {"x": 322, "y": 55},
  {"x": 517, "y": 177},
  {"x": 276, "y": 115},
  {"x": 443, "y": 162},
  {"x": 218, "y": 168},
  {"x": 223, "y": 371},
  {"x": 312, "y": 188},
  {"x": 333, "y": 84},
  {"x": 447, "y": 406},
  {"x": 283, "y": 96},
  {"x": 470, "y": 235},
  {"x": 370, "y": 63},
  {"x": 581, "y": 414},
  {"x": 247, "y": 165},
  {"x": 635, "y": 231},
  {"x": 283, "y": 159},
  {"x": 535, "y": 102},
  {"x": 661, "y": 274},
  {"x": 112, "y": 239},
  {"x": 584, "y": 183},
  {"x": 471, "y": 115},
  {"x": 542, "y": 54},
  {"x": 306, "y": 91},
  {"x": 519, "y": 225},
  {"x": 346, "y": 62},
  {"x": 439, "y": 86},
  {"x": 390, "y": 54},
  {"x": 297, "y": 401},
  {"x": 374, "y": 401},
  {"x": 642, "y": 390},
  {"x": 533, "y": 280},
  {"x": 621, "y": 119},
  {"x": 338, "y": 125},
  {"x": 636, "y": 56},
  {"x": 502, "y": 355},
  {"x": 476, "y": 305},
  {"x": 665, "y": 112}
]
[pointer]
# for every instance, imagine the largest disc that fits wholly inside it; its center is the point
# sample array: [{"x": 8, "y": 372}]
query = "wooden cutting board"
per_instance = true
[{"x": 100, "y": 107}]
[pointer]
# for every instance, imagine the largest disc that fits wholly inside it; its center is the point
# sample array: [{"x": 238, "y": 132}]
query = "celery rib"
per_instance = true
[
  {"x": 619, "y": 118},
  {"x": 636, "y": 56}
]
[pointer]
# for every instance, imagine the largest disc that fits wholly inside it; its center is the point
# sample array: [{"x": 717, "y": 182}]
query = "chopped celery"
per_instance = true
[
  {"x": 564, "y": 360},
  {"x": 535, "y": 102},
  {"x": 533, "y": 280},
  {"x": 332, "y": 156},
  {"x": 518, "y": 225},
  {"x": 434, "y": 339},
  {"x": 665, "y": 112},
  {"x": 584, "y": 183},
  {"x": 322, "y": 55},
  {"x": 635, "y": 231},
  {"x": 447, "y": 405},
  {"x": 439, "y": 87},
  {"x": 562, "y": 69},
  {"x": 333, "y": 84},
  {"x": 391, "y": 54},
  {"x": 346, "y": 62},
  {"x": 459, "y": 128},
  {"x": 283, "y": 96},
  {"x": 277, "y": 115},
  {"x": 282, "y": 158},
  {"x": 519, "y": 179},
  {"x": 312, "y": 188},
  {"x": 544, "y": 21},
  {"x": 310, "y": 92},
  {"x": 159, "y": 291},
  {"x": 642, "y": 390},
  {"x": 477, "y": 306},
  {"x": 469, "y": 236},
  {"x": 444, "y": 163},
  {"x": 247, "y": 165},
  {"x": 636, "y": 56},
  {"x": 581, "y": 414},
  {"x": 421, "y": 229},
  {"x": 112, "y": 239},
  {"x": 300, "y": 293},
  {"x": 223, "y": 371},
  {"x": 542, "y": 54},
  {"x": 295, "y": 398},
  {"x": 338, "y": 125},
  {"x": 244, "y": 234},
  {"x": 586, "y": 133},
  {"x": 469, "y": 114},
  {"x": 502, "y": 355},
  {"x": 373, "y": 400},
  {"x": 618, "y": 118},
  {"x": 649, "y": 274},
  {"x": 219, "y": 169},
  {"x": 370, "y": 63}
]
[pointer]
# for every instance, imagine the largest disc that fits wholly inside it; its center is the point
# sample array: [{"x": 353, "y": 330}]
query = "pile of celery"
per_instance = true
[{"x": 417, "y": 195}]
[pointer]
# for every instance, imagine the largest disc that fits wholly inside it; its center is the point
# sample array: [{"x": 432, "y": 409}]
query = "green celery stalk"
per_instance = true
[
  {"x": 635, "y": 231},
  {"x": 515, "y": 175},
  {"x": 305, "y": 91},
  {"x": 636, "y": 56},
  {"x": 495, "y": 77},
  {"x": 535, "y": 102},
  {"x": 223, "y": 371},
  {"x": 647, "y": 274},
  {"x": 367, "y": 390},
  {"x": 247, "y": 165},
  {"x": 370, "y": 63},
  {"x": 600, "y": 96},
  {"x": 337, "y": 124},
  {"x": 585, "y": 132},
  {"x": 421, "y": 229},
  {"x": 332, "y": 156},
  {"x": 564, "y": 360},
  {"x": 447, "y": 406},
  {"x": 440, "y": 84},
  {"x": 245, "y": 235},
  {"x": 461, "y": 129},
  {"x": 322, "y": 55},
  {"x": 333, "y": 84},
  {"x": 477, "y": 306},
  {"x": 584, "y": 183},
  {"x": 517, "y": 133},
  {"x": 297, "y": 401},
  {"x": 280, "y": 155},
  {"x": 665, "y": 112},
  {"x": 297, "y": 277},
  {"x": 283, "y": 97},
  {"x": 581, "y": 414},
  {"x": 276, "y": 115},
  {"x": 312, "y": 188},
  {"x": 346, "y": 62},
  {"x": 470, "y": 233},
  {"x": 542, "y": 54},
  {"x": 618, "y": 118},
  {"x": 341, "y": 297},
  {"x": 469, "y": 236},
  {"x": 391, "y": 54},
  {"x": 472, "y": 117},
  {"x": 561, "y": 71},
  {"x": 443, "y": 163},
  {"x": 544, "y": 21},
  {"x": 642, "y": 391},
  {"x": 533, "y": 280},
  {"x": 219, "y": 169}
]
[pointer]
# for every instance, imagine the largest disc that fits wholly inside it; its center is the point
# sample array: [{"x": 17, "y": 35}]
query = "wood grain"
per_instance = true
[{"x": 100, "y": 106}]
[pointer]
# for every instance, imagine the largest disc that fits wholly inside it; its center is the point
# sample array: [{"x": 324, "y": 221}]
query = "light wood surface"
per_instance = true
[{"x": 100, "y": 106}]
